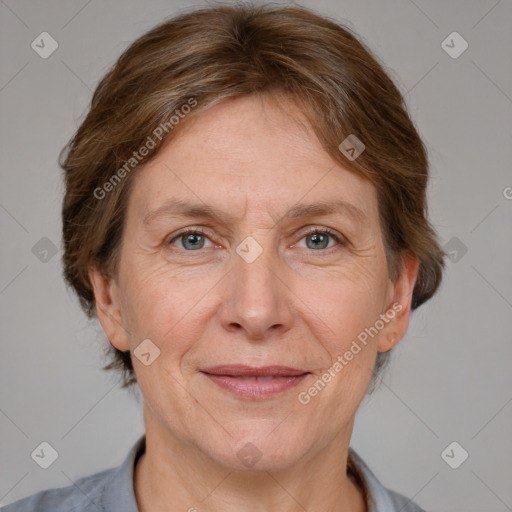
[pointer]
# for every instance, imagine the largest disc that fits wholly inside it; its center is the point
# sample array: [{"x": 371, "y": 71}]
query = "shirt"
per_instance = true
[{"x": 112, "y": 490}]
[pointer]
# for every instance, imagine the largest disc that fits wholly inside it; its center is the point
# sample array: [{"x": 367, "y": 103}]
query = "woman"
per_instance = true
[{"x": 245, "y": 213}]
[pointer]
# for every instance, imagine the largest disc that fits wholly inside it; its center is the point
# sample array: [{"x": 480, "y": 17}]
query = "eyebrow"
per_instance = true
[{"x": 180, "y": 208}]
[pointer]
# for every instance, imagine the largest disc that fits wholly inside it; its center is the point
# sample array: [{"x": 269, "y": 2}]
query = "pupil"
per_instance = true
[
  {"x": 192, "y": 239},
  {"x": 316, "y": 237}
]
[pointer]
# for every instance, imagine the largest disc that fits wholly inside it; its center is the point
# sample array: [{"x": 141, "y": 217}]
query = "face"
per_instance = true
[{"x": 230, "y": 271}]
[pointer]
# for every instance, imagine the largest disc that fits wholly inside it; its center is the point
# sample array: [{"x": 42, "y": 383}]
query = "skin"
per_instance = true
[{"x": 295, "y": 305}]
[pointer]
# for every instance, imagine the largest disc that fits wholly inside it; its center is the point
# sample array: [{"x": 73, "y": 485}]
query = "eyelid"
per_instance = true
[{"x": 321, "y": 229}]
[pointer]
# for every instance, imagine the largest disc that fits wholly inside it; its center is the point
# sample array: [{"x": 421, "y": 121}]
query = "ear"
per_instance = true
[
  {"x": 400, "y": 304},
  {"x": 106, "y": 293}
]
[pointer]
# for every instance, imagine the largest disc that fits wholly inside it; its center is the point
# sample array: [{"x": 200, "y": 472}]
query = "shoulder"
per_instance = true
[
  {"x": 402, "y": 503},
  {"x": 110, "y": 490},
  {"x": 85, "y": 495},
  {"x": 378, "y": 497}
]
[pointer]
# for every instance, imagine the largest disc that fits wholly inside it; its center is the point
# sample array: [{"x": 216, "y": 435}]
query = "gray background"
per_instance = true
[{"x": 450, "y": 378}]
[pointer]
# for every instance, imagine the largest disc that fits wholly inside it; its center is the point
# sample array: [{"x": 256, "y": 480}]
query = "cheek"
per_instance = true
[
  {"x": 346, "y": 300},
  {"x": 344, "y": 305},
  {"x": 159, "y": 306}
]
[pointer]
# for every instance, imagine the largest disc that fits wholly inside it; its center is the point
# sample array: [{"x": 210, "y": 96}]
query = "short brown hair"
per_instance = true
[{"x": 220, "y": 52}]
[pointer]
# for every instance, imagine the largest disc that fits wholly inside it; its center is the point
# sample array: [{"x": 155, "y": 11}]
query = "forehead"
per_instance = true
[{"x": 245, "y": 153}]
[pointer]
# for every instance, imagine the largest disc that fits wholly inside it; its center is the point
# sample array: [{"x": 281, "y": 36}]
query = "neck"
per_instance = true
[{"x": 173, "y": 474}]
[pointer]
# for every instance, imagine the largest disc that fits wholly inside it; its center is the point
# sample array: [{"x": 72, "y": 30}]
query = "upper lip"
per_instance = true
[{"x": 236, "y": 370}]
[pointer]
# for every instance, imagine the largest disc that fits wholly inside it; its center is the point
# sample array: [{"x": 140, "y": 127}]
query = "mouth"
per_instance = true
[{"x": 255, "y": 383}]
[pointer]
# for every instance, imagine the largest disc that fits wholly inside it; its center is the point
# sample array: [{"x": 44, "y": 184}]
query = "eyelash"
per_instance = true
[{"x": 324, "y": 231}]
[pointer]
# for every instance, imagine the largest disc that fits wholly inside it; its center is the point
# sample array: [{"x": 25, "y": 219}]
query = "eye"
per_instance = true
[
  {"x": 191, "y": 240},
  {"x": 317, "y": 239}
]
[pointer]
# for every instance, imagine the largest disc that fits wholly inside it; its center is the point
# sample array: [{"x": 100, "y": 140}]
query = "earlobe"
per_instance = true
[
  {"x": 402, "y": 292},
  {"x": 109, "y": 308}
]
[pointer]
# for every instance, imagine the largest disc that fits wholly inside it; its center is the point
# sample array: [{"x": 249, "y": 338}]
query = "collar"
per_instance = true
[
  {"x": 119, "y": 493},
  {"x": 376, "y": 496}
]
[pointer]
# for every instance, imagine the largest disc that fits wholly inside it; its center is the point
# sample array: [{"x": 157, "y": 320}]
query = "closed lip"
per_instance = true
[{"x": 253, "y": 371}]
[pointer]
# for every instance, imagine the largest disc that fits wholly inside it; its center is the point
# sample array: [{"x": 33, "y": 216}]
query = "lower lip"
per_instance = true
[{"x": 254, "y": 389}]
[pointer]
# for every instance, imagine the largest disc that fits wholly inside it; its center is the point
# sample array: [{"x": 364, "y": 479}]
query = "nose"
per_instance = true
[{"x": 257, "y": 298}]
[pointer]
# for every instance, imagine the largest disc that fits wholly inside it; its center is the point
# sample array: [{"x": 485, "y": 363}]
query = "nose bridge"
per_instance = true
[
  {"x": 258, "y": 300},
  {"x": 254, "y": 268}
]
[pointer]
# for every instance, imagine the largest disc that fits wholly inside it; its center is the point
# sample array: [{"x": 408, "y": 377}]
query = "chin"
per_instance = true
[{"x": 260, "y": 449}]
